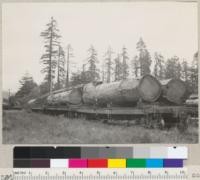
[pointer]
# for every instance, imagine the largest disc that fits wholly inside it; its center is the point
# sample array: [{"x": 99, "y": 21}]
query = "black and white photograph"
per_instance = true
[{"x": 100, "y": 72}]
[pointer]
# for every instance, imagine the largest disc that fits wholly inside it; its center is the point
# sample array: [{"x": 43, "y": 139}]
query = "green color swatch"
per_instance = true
[{"x": 137, "y": 163}]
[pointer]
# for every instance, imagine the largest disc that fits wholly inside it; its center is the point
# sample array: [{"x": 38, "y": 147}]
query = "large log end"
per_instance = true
[
  {"x": 149, "y": 88},
  {"x": 175, "y": 91},
  {"x": 75, "y": 96}
]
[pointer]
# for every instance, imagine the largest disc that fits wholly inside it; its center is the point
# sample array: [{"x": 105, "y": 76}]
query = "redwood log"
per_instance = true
[
  {"x": 89, "y": 93},
  {"x": 72, "y": 96},
  {"x": 125, "y": 92},
  {"x": 32, "y": 101},
  {"x": 174, "y": 90},
  {"x": 149, "y": 88}
]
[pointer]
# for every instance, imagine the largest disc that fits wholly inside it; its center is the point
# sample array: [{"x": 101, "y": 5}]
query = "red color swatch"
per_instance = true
[{"x": 97, "y": 163}]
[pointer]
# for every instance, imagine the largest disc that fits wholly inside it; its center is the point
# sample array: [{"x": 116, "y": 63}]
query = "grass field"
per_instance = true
[{"x": 21, "y": 127}]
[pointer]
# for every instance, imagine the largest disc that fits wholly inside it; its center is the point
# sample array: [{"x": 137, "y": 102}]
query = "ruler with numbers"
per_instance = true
[{"x": 94, "y": 174}]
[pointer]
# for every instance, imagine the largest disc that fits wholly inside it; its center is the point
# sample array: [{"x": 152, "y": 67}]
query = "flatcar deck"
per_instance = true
[{"x": 116, "y": 110}]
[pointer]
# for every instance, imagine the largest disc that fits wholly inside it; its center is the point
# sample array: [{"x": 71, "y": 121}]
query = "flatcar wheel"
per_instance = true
[
  {"x": 169, "y": 121},
  {"x": 158, "y": 121},
  {"x": 184, "y": 120},
  {"x": 152, "y": 121},
  {"x": 82, "y": 116},
  {"x": 66, "y": 114},
  {"x": 75, "y": 115},
  {"x": 147, "y": 121}
]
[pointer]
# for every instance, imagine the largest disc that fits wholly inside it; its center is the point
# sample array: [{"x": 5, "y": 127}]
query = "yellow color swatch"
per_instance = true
[{"x": 116, "y": 163}]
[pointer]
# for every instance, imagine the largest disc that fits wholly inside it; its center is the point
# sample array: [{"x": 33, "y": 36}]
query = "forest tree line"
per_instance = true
[{"x": 113, "y": 66}]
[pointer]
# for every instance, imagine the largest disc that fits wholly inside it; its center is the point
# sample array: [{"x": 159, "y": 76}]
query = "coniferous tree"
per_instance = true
[
  {"x": 118, "y": 69},
  {"x": 27, "y": 84},
  {"x": 69, "y": 55},
  {"x": 185, "y": 70},
  {"x": 44, "y": 88},
  {"x": 61, "y": 68},
  {"x": 136, "y": 67},
  {"x": 170, "y": 68},
  {"x": 125, "y": 66},
  {"x": 144, "y": 58},
  {"x": 178, "y": 73},
  {"x": 108, "y": 64},
  {"x": 49, "y": 58},
  {"x": 173, "y": 68},
  {"x": 159, "y": 66},
  {"x": 103, "y": 72},
  {"x": 193, "y": 77},
  {"x": 92, "y": 61},
  {"x": 76, "y": 78},
  {"x": 80, "y": 78}
]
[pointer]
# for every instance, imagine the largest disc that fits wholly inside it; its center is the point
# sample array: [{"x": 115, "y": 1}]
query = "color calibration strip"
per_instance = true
[
  {"x": 99, "y": 157},
  {"x": 99, "y": 163}
]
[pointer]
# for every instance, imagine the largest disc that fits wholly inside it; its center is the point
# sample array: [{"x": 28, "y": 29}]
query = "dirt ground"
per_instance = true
[{"x": 21, "y": 127}]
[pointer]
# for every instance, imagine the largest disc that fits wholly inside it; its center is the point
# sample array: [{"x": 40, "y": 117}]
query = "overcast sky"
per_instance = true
[{"x": 169, "y": 28}]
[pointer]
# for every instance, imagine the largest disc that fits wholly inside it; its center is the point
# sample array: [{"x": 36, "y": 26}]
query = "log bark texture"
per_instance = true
[
  {"x": 125, "y": 92},
  {"x": 72, "y": 96}
]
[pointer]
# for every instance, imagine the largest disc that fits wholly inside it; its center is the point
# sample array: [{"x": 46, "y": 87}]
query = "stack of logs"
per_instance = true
[{"x": 126, "y": 92}]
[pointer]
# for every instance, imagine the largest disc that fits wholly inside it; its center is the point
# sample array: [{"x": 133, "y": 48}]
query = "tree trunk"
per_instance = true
[
  {"x": 71, "y": 96},
  {"x": 58, "y": 78},
  {"x": 50, "y": 59},
  {"x": 126, "y": 92}
]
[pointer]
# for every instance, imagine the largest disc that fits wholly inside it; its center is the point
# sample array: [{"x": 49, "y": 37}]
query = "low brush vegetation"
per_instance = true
[{"x": 21, "y": 127}]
